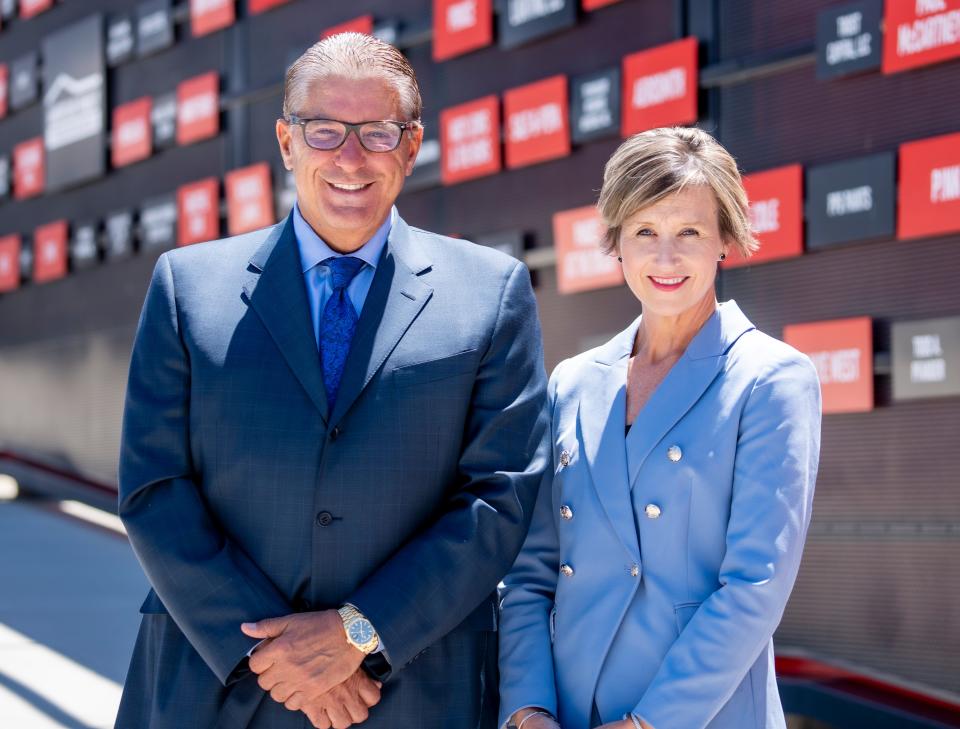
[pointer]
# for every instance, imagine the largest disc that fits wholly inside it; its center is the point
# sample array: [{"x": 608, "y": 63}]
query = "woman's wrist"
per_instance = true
[{"x": 521, "y": 715}]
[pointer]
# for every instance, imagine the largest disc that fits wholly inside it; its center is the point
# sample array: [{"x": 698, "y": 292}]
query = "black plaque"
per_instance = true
[
  {"x": 926, "y": 358},
  {"x": 158, "y": 222},
  {"x": 595, "y": 105},
  {"x": 508, "y": 241},
  {"x": 84, "y": 246},
  {"x": 23, "y": 83},
  {"x": 74, "y": 104},
  {"x": 154, "y": 26},
  {"x": 118, "y": 228},
  {"x": 4, "y": 176},
  {"x": 851, "y": 201},
  {"x": 849, "y": 38},
  {"x": 163, "y": 119},
  {"x": 26, "y": 260},
  {"x": 521, "y": 21},
  {"x": 121, "y": 39}
]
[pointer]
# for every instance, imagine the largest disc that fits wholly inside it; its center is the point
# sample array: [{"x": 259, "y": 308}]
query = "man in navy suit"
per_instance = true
[{"x": 331, "y": 441}]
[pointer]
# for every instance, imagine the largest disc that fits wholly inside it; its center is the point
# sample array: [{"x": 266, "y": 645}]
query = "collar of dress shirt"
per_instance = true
[{"x": 313, "y": 249}]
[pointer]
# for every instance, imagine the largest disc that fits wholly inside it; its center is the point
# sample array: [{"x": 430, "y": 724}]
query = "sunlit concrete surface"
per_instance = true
[{"x": 70, "y": 589}]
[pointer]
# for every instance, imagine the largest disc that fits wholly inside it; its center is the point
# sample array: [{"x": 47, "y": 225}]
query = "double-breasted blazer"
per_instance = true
[
  {"x": 245, "y": 497},
  {"x": 658, "y": 564}
]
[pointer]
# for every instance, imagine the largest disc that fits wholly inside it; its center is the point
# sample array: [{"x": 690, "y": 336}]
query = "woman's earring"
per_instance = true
[
  {"x": 723, "y": 256},
  {"x": 620, "y": 258}
]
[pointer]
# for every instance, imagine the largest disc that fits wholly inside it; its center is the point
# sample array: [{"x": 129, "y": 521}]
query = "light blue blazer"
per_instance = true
[{"x": 658, "y": 565}]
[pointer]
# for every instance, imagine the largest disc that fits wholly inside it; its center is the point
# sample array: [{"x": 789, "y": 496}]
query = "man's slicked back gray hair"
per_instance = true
[{"x": 354, "y": 55}]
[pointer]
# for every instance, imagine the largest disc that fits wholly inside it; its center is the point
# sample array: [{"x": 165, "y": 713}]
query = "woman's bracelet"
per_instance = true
[
  {"x": 633, "y": 717},
  {"x": 533, "y": 713}
]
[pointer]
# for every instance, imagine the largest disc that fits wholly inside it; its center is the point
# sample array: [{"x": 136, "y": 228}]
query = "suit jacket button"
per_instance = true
[
  {"x": 652, "y": 511},
  {"x": 566, "y": 512},
  {"x": 634, "y": 570},
  {"x": 564, "y": 458},
  {"x": 335, "y": 433},
  {"x": 566, "y": 570},
  {"x": 324, "y": 519},
  {"x": 674, "y": 453}
]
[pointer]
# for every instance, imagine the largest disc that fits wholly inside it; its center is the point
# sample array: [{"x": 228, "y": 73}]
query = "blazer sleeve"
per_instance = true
[
  {"x": 205, "y": 581},
  {"x": 526, "y": 602},
  {"x": 775, "y": 470},
  {"x": 443, "y": 573}
]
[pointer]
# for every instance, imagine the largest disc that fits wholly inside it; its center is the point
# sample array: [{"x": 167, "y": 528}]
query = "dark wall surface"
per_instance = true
[{"x": 880, "y": 585}]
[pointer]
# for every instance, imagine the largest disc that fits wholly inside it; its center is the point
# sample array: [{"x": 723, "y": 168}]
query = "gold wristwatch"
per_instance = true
[{"x": 359, "y": 630}]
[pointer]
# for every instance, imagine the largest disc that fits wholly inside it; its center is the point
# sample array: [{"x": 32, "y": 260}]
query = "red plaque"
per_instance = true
[
  {"x": 776, "y": 214},
  {"x": 470, "y": 140},
  {"x": 50, "y": 251},
  {"x": 198, "y": 211},
  {"x": 249, "y": 199},
  {"x": 536, "y": 122},
  {"x": 660, "y": 87},
  {"x": 198, "y": 108},
  {"x": 132, "y": 135}
]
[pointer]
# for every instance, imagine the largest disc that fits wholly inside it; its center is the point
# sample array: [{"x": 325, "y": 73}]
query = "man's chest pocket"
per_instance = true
[{"x": 456, "y": 365}]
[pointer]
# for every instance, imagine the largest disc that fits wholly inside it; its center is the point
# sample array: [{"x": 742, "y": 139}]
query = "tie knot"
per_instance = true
[{"x": 343, "y": 269}]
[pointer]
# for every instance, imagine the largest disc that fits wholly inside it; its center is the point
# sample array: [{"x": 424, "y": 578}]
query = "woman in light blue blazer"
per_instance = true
[{"x": 668, "y": 532}]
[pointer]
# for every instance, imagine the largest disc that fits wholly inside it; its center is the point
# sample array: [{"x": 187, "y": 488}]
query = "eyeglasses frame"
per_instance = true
[{"x": 295, "y": 120}]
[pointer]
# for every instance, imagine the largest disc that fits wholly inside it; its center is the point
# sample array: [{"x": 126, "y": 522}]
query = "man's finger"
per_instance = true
[
  {"x": 295, "y": 701},
  {"x": 369, "y": 692},
  {"x": 338, "y": 715},
  {"x": 261, "y": 660},
  {"x": 267, "y": 680},
  {"x": 357, "y": 710},
  {"x": 317, "y": 716},
  {"x": 281, "y": 692},
  {"x": 268, "y": 628}
]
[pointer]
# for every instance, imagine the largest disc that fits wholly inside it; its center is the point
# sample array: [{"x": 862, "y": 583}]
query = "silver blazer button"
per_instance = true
[
  {"x": 564, "y": 458},
  {"x": 674, "y": 453},
  {"x": 566, "y": 512},
  {"x": 652, "y": 511},
  {"x": 566, "y": 570}
]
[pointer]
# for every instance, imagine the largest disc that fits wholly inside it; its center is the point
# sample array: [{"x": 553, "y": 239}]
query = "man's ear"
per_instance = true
[
  {"x": 414, "y": 143},
  {"x": 285, "y": 140}
]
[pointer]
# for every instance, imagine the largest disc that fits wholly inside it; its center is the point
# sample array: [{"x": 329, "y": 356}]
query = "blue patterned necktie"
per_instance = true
[{"x": 338, "y": 323}]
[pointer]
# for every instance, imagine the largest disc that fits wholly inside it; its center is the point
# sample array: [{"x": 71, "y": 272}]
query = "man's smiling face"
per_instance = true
[{"x": 345, "y": 194}]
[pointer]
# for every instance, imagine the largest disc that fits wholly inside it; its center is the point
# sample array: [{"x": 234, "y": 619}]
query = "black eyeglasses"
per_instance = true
[{"x": 375, "y": 136}]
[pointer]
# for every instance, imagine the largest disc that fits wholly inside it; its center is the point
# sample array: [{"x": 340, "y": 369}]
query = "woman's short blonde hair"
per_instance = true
[{"x": 651, "y": 165}]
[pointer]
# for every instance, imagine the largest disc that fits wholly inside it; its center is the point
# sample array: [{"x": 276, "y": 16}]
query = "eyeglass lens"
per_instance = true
[{"x": 375, "y": 136}]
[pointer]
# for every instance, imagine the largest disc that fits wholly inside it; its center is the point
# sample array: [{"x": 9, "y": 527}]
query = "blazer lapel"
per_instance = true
[
  {"x": 686, "y": 382},
  {"x": 603, "y": 409},
  {"x": 396, "y": 297},
  {"x": 277, "y": 293}
]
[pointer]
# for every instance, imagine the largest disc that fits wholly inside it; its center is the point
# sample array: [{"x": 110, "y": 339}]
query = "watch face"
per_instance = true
[{"x": 361, "y": 631}]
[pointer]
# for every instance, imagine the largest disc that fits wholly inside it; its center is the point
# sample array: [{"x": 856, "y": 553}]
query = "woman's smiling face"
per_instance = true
[{"x": 670, "y": 251}]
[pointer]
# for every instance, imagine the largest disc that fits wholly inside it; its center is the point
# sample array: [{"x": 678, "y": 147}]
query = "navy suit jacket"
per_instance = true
[{"x": 245, "y": 497}]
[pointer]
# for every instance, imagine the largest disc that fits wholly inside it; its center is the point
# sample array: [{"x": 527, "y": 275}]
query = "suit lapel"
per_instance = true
[
  {"x": 676, "y": 394},
  {"x": 276, "y": 292},
  {"x": 686, "y": 382},
  {"x": 603, "y": 408},
  {"x": 396, "y": 297}
]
